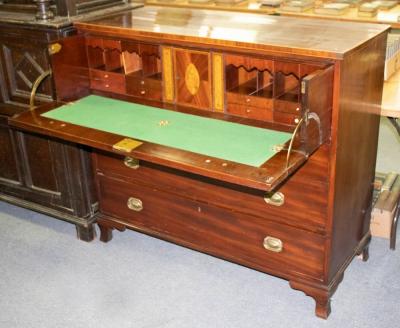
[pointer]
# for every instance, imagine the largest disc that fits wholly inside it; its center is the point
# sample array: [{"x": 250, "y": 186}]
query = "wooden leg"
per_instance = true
[
  {"x": 364, "y": 249},
  {"x": 323, "y": 307},
  {"x": 320, "y": 293},
  {"x": 105, "y": 233},
  {"x": 85, "y": 233},
  {"x": 365, "y": 253}
]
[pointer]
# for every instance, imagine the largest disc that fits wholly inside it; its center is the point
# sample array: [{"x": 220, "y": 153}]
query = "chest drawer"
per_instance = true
[
  {"x": 305, "y": 193},
  {"x": 245, "y": 239}
]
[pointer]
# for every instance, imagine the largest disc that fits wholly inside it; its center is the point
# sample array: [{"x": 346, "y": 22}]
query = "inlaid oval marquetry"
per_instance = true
[{"x": 192, "y": 79}]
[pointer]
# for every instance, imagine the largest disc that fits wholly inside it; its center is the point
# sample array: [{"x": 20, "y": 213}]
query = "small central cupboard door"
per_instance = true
[{"x": 193, "y": 80}]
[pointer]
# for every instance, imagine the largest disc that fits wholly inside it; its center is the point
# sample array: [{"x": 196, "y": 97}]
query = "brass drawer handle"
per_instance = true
[
  {"x": 276, "y": 199},
  {"x": 134, "y": 204},
  {"x": 273, "y": 244},
  {"x": 131, "y": 162}
]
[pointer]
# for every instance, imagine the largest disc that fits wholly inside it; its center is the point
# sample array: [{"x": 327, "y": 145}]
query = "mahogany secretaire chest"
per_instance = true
[{"x": 252, "y": 138}]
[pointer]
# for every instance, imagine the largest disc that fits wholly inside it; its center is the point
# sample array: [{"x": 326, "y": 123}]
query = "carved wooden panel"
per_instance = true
[
  {"x": 193, "y": 81},
  {"x": 8, "y": 162},
  {"x": 37, "y": 154},
  {"x": 22, "y": 65}
]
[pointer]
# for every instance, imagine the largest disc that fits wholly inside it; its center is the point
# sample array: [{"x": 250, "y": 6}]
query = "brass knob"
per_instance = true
[
  {"x": 105, "y": 76},
  {"x": 273, "y": 244},
  {"x": 132, "y": 163},
  {"x": 276, "y": 199},
  {"x": 107, "y": 85},
  {"x": 247, "y": 99},
  {"x": 142, "y": 82},
  {"x": 142, "y": 92},
  {"x": 134, "y": 204}
]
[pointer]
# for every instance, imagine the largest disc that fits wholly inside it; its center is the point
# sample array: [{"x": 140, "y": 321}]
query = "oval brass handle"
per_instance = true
[
  {"x": 134, "y": 204},
  {"x": 131, "y": 162},
  {"x": 276, "y": 199},
  {"x": 273, "y": 244}
]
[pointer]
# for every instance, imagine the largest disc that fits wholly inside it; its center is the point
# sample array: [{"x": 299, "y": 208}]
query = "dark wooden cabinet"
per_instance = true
[
  {"x": 37, "y": 172},
  {"x": 302, "y": 213}
]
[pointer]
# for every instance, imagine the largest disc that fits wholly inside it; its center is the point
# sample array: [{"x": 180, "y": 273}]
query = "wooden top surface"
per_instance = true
[
  {"x": 314, "y": 38},
  {"x": 391, "y": 96}
]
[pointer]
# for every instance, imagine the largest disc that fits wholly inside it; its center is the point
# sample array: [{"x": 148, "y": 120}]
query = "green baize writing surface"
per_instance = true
[{"x": 210, "y": 137}]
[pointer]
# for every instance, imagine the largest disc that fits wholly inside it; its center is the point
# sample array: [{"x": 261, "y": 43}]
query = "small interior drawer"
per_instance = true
[
  {"x": 284, "y": 106},
  {"x": 144, "y": 87},
  {"x": 286, "y": 118},
  {"x": 256, "y": 113},
  {"x": 107, "y": 81},
  {"x": 241, "y": 99}
]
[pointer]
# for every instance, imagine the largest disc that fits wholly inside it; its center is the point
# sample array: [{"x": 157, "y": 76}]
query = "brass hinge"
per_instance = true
[
  {"x": 54, "y": 48},
  {"x": 303, "y": 87}
]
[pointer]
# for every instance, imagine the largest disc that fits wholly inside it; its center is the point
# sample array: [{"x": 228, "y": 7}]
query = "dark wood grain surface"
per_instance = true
[
  {"x": 354, "y": 149},
  {"x": 306, "y": 192},
  {"x": 222, "y": 232}
]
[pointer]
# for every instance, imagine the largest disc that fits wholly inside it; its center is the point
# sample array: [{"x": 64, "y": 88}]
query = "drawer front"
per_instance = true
[
  {"x": 143, "y": 87},
  {"x": 107, "y": 81},
  {"x": 286, "y": 118},
  {"x": 250, "y": 112},
  {"x": 305, "y": 193},
  {"x": 289, "y": 107},
  {"x": 262, "y": 103},
  {"x": 220, "y": 232}
]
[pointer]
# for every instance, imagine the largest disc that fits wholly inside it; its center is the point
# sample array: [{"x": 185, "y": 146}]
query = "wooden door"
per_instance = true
[
  {"x": 70, "y": 69},
  {"x": 316, "y": 101},
  {"x": 193, "y": 80}
]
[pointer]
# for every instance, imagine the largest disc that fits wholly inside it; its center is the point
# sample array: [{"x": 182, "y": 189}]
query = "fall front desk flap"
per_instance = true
[{"x": 211, "y": 137}]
